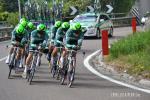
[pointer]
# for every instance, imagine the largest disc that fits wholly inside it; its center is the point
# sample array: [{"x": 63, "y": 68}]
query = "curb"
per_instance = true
[{"x": 90, "y": 68}]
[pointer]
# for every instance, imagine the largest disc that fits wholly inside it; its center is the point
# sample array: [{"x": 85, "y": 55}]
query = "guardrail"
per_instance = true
[
  {"x": 5, "y": 33},
  {"x": 122, "y": 21}
]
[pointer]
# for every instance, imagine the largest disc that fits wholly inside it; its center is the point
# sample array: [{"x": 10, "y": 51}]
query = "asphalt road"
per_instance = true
[{"x": 87, "y": 86}]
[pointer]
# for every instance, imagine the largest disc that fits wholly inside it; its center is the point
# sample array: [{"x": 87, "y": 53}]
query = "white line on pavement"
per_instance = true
[
  {"x": 3, "y": 58},
  {"x": 90, "y": 68}
]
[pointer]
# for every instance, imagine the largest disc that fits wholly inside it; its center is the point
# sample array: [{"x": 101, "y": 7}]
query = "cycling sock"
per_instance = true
[
  {"x": 26, "y": 68},
  {"x": 61, "y": 62}
]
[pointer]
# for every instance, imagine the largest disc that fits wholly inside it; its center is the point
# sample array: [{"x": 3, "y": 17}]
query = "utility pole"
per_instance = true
[{"x": 19, "y": 7}]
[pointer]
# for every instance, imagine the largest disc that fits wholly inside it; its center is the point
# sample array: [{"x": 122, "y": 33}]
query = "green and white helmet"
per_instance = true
[
  {"x": 65, "y": 25},
  {"x": 24, "y": 23},
  {"x": 20, "y": 29},
  {"x": 77, "y": 26},
  {"x": 57, "y": 23},
  {"x": 41, "y": 27},
  {"x": 31, "y": 25}
]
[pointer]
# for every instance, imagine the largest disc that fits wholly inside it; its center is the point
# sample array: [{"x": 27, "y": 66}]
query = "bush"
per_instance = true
[
  {"x": 3, "y": 16},
  {"x": 13, "y": 18},
  {"x": 130, "y": 45}
]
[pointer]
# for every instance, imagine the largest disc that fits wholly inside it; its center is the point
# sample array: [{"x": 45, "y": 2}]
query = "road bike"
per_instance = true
[
  {"x": 71, "y": 64},
  {"x": 35, "y": 60},
  {"x": 13, "y": 62}
]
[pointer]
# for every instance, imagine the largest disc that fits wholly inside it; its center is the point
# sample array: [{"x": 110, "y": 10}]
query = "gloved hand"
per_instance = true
[
  {"x": 39, "y": 47},
  {"x": 74, "y": 47},
  {"x": 78, "y": 47}
]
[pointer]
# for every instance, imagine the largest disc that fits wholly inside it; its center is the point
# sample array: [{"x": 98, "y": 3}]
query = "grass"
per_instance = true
[{"x": 132, "y": 54}]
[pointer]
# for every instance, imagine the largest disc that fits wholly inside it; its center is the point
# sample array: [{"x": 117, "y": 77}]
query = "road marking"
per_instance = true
[
  {"x": 90, "y": 68},
  {"x": 3, "y": 58}
]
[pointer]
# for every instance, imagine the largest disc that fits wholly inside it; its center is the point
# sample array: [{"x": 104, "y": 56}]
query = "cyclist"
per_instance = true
[
  {"x": 30, "y": 27},
  {"x": 53, "y": 34},
  {"x": 74, "y": 38},
  {"x": 38, "y": 37},
  {"x": 59, "y": 41},
  {"x": 19, "y": 38}
]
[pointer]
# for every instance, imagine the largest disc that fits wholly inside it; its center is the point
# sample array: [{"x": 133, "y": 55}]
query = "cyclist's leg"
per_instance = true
[
  {"x": 50, "y": 52},
  {"x": 54, "y": 57},
  {"x": 39, "y": 58},
  {"x": 22, "y": 52},
  {"x": 63, "y": 58},
  {"x": 27, "y": 67}
]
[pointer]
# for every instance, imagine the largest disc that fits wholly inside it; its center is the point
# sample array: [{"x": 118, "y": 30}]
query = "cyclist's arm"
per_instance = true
[
  {"x": 45, "y": 41},
  {"x": 80, "y": 40},
  {"x": 53, "y": 34},
  {"x": 13, "y": 37}
]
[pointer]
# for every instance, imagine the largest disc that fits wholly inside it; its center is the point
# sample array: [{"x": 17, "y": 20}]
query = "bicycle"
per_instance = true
[
  {"x": 30, "y": 73},
  {"x": 13, "y": 62},
  {"x": 58, "y": 70},
  {"x": 71, "y": 62},
  {"x": 55, "y": 70}
]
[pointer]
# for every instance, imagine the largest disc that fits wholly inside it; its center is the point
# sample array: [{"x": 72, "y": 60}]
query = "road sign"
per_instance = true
[
  {"x": 110, "y": 8},
  {"x": 135, "y": 12},
  {"x": 90, "y": 9},
  {"x": 73, "y": 10}
]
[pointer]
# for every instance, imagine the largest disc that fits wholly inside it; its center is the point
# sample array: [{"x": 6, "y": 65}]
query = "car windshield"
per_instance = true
[{"x": 85, "y": 19}]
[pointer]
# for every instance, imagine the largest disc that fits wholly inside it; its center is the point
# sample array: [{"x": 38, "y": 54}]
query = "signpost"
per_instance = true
[
  {"x": 73, "y": 10},
  {"x": 90, "y": 9},
  {"x": 110, "y": 8}
]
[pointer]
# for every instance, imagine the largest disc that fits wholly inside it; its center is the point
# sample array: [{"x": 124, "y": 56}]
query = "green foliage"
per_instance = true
[
  {"x": 3, "y": 16},
  {"x": 13, "y": 18},
  {"x": 130, "y": 45},
  {"x": 135, "y": 51},
  {"x": 9, "y": 5},
  {"x": 122, "y": 6}
]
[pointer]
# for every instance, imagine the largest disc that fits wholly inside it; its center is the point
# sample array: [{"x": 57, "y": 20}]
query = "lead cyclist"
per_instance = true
[
  {"x": 74, "y": 39},
  {"x": 38, "y": 36}
]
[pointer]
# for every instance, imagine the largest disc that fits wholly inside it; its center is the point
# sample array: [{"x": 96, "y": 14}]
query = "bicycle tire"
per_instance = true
[
  {"x": 31, "y": 76},
  {"x": 71, "y": 78},
  {"x": 53, "y": 71},
  {"x": 9, "y": 74},
  {"x": 63, "y": 76},
  {"x": 11, "y": 65}
]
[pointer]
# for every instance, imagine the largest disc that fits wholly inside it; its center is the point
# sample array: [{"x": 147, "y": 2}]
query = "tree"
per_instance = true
[{"x": 122, "y": 6}]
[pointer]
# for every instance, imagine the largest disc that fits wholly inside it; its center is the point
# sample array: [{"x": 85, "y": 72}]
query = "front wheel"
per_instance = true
[
  {"x": 71, "y": 75},
  {"x": 31, "y": 75},
  {"x": 10, "y": 69}
]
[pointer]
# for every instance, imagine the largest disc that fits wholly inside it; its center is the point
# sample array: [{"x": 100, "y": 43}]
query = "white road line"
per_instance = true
[
  {"x": 3, "y": 58},
  {"x": 90, "y": 68}
]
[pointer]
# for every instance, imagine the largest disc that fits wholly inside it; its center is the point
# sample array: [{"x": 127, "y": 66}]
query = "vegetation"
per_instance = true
[
  {"x": 133, "y": 54},
  {"x": 11, "y": 6},
  {"x": 13, "y": 18},
  {"x": 122, "y": 6}
]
